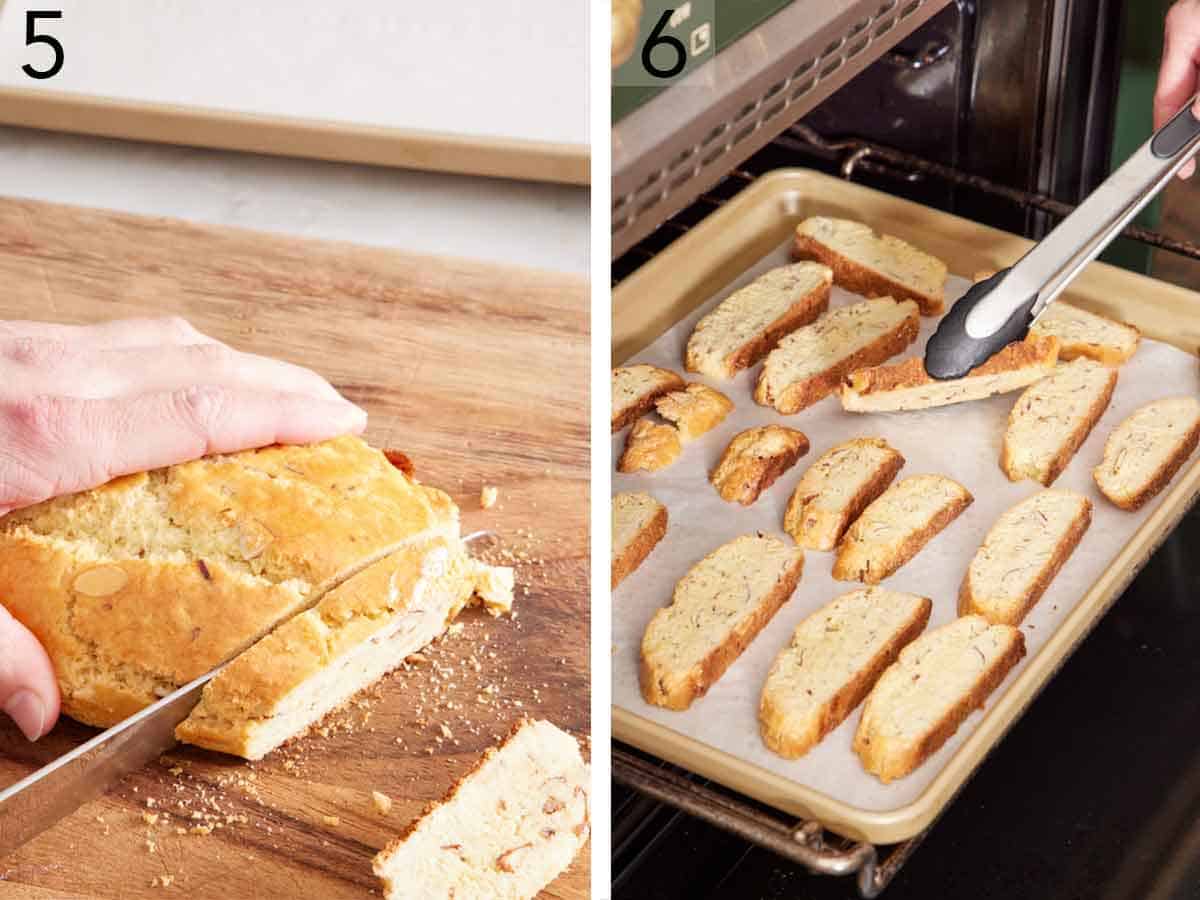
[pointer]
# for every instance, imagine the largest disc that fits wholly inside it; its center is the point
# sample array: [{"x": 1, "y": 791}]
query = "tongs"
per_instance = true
[{"x": 999, "y": 310}]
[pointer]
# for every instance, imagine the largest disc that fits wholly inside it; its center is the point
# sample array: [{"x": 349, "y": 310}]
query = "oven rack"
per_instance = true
[{"x": 806, "y": 842}]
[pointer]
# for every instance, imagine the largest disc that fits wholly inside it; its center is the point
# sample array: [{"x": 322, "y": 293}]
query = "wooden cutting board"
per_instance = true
[{"x": 479, "y": 373}]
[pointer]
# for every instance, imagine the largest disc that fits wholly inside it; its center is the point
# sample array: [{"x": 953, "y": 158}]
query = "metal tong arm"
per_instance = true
[{"x": 1053, "y": 262}]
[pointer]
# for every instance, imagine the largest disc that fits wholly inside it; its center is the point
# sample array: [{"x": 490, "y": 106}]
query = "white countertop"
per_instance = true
[{"x": 538, "y": 225}]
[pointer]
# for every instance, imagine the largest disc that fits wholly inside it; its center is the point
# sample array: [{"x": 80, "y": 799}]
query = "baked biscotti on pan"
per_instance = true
[
  {"x": 922, "y": 698},
  {"x": 506, "y": 830},
  {"x": 749, "y": 322},
  {"x": 1022, "y": 553},
  {"x": 1144, "y": 452},
  {"x": 358, "y": 632},
  {"x": 1086, "y": 334},
  {"x": 894, "y": 528},
  {"x": 141, "y": 585},
  {"x": 837, "y": 488},
  {"x": 638, "y": 524},
  {"x": 649, "y": 447},
  {"x": 695, "y": 410},
  {"x": 906, "y": 385},
  {"x": 635, "y": 388},
  {"x": 754, "y": 459},
  {"x": 810, "y": 363},
  {"x": 1052, "y": 419},
  {"x": 717, "y": 609},
  {"x": 832, "y": 661},
  {"x": 871, "y": 264}
]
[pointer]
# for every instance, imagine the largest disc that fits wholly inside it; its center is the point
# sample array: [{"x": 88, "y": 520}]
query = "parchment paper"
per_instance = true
[{"x": 961, "y": 441}]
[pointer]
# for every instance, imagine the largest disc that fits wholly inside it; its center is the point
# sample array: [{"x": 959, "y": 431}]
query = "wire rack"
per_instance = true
[{"x": 806, "y": 842}]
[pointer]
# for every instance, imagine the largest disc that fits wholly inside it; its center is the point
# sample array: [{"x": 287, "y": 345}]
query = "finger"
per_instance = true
[
  {"x": 59, "y": 445},
  {"x": 152, "y": 370},
  {"x": 28, "y": 689},
  {"x": 1177, "y": 74},
  {"x": 113, "y": 335}
]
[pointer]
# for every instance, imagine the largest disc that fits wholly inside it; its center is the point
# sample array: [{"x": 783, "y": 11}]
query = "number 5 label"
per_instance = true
[{"x": 32, "y": 37}]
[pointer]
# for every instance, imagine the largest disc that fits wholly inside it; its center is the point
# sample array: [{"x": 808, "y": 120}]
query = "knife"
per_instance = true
[
  {"x": 999, "y": 310},
  {"x": 56, "y": 790}
]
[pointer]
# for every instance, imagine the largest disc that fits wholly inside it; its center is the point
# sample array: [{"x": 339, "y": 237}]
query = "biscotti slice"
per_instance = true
[
  {"x": 833, "y": 660},
  {"x": 635, "y": 388},
  {"x": 754, "y": 459},
  {"x": 837, "y": 488},
  {"x": 750, "y": 321},
  {"x": 717, "y": 609},
  {"x": 1086, "y": 334},
  {"x": 1053, "y": 418},
  {"x": 505, "y": 831},
  {"x": 906, "y": 385},
  {"x": 871, "y": 264},
  {"x": 809, "y": 364},
  {"x": 638, "y": 524},
  {"x": 695, "y": 410},
  {"x": 650, "y": 447},
  {"x": 1144, "y": 452},
  {"x": 358, "y": 632},
  {"x": 922, "y": 698},
  {"x": 1022, "y": 553},
  {"x": 894, "y": 528}
]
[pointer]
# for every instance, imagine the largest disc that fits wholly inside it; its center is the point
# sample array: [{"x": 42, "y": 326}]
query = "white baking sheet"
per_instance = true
[{"x": 961, "y": 441}]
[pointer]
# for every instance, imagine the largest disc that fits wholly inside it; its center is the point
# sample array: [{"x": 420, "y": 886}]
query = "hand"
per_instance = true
[
  {"x": 1177, "y": 76},
  {"x": 81, "y": 405}
]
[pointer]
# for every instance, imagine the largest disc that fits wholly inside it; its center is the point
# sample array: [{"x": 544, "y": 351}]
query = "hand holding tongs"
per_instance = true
[{"x": 999, "y": 310}]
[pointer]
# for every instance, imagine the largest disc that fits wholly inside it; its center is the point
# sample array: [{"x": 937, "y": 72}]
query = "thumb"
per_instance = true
[{"x": 28, "y": 688}]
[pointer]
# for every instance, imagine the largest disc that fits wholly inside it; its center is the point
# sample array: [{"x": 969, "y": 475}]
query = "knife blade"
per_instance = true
[{"x": 56, "y": 790}]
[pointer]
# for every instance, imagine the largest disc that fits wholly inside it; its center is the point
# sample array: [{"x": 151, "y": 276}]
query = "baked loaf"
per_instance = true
[
  {"x": 894, "y": 528},
  {"x": 717, "y": 609},
  {"x": 1144, "y": 452},
  {"x": 505, "y": 831},
  {"x": 809, "y": 364},
  {"x": 837, "y": 488},
  {"x": 754, "y": 459},
  {"x": 906, "y": 385},
  {"x": 650, "y": 447},
  {"x": 922, "y": 698},
  {"x": 1053, "y": 418},
  {"x": 140, "y": 586},
  {"x": 750, "y": 321},
  {"x": 1022, "y": 553},
  {"x": 358, "y": 632},
  {"x": 638, "y": 524},
  {"x": 833, "y": 660},
  {"x": 695, "y": 410},
  {"x": 635, "y": 388},
  {"x": 873, "y": 265}
]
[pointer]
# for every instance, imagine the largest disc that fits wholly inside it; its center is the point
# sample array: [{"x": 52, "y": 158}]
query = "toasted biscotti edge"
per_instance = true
[
  {"x": 800, "y": 395},
  {"x": 859, "y": 279},
  {"x": 644, "y": 403},
  {"x": 721, "y": 657},
  {"x": 765, "y": 470},
  {"x": 772, "y": 720},
  {"x": 650, "y": 447},
  {"x": 1161, "y": 479},
  {"x": 624, "y": 564},
  {"x": 971, "y": 603},
  {"x": 888, "y": 767}
]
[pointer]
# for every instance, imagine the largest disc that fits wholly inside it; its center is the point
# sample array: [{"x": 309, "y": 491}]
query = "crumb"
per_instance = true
[
  {"x": 200, "y": 829},
  {"x": 332, "y": 821},
  {"x": 162, "y": 881},
  {"x": 383, "y": 803},
  {"x": 488, "y": 496},
  {"x": 150, "y": 818}
]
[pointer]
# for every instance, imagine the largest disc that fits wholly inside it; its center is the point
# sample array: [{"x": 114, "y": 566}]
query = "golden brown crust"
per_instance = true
[
  {"x": 772, "y": 719},
  {"x": 1072, "y": 441},
  {"x": 754, "y": 459},
  {"x": 802, "y": 394},
  {"x": 695, "y": 411},
  {"x": 721, "y": 657},
  {"x": 1161, "y": 478},
  {"x": 911, "y": 372},
  {"x": 209, "y": 556},
  {"x": 863, "y": 281},
  {"x": 667, "y": 381},
  {"x": 969, "y": 603},
  {"x": 639, "y": 548},
  {"x": 650, "y": 447},
  {"x": 888, "y": 767}
]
